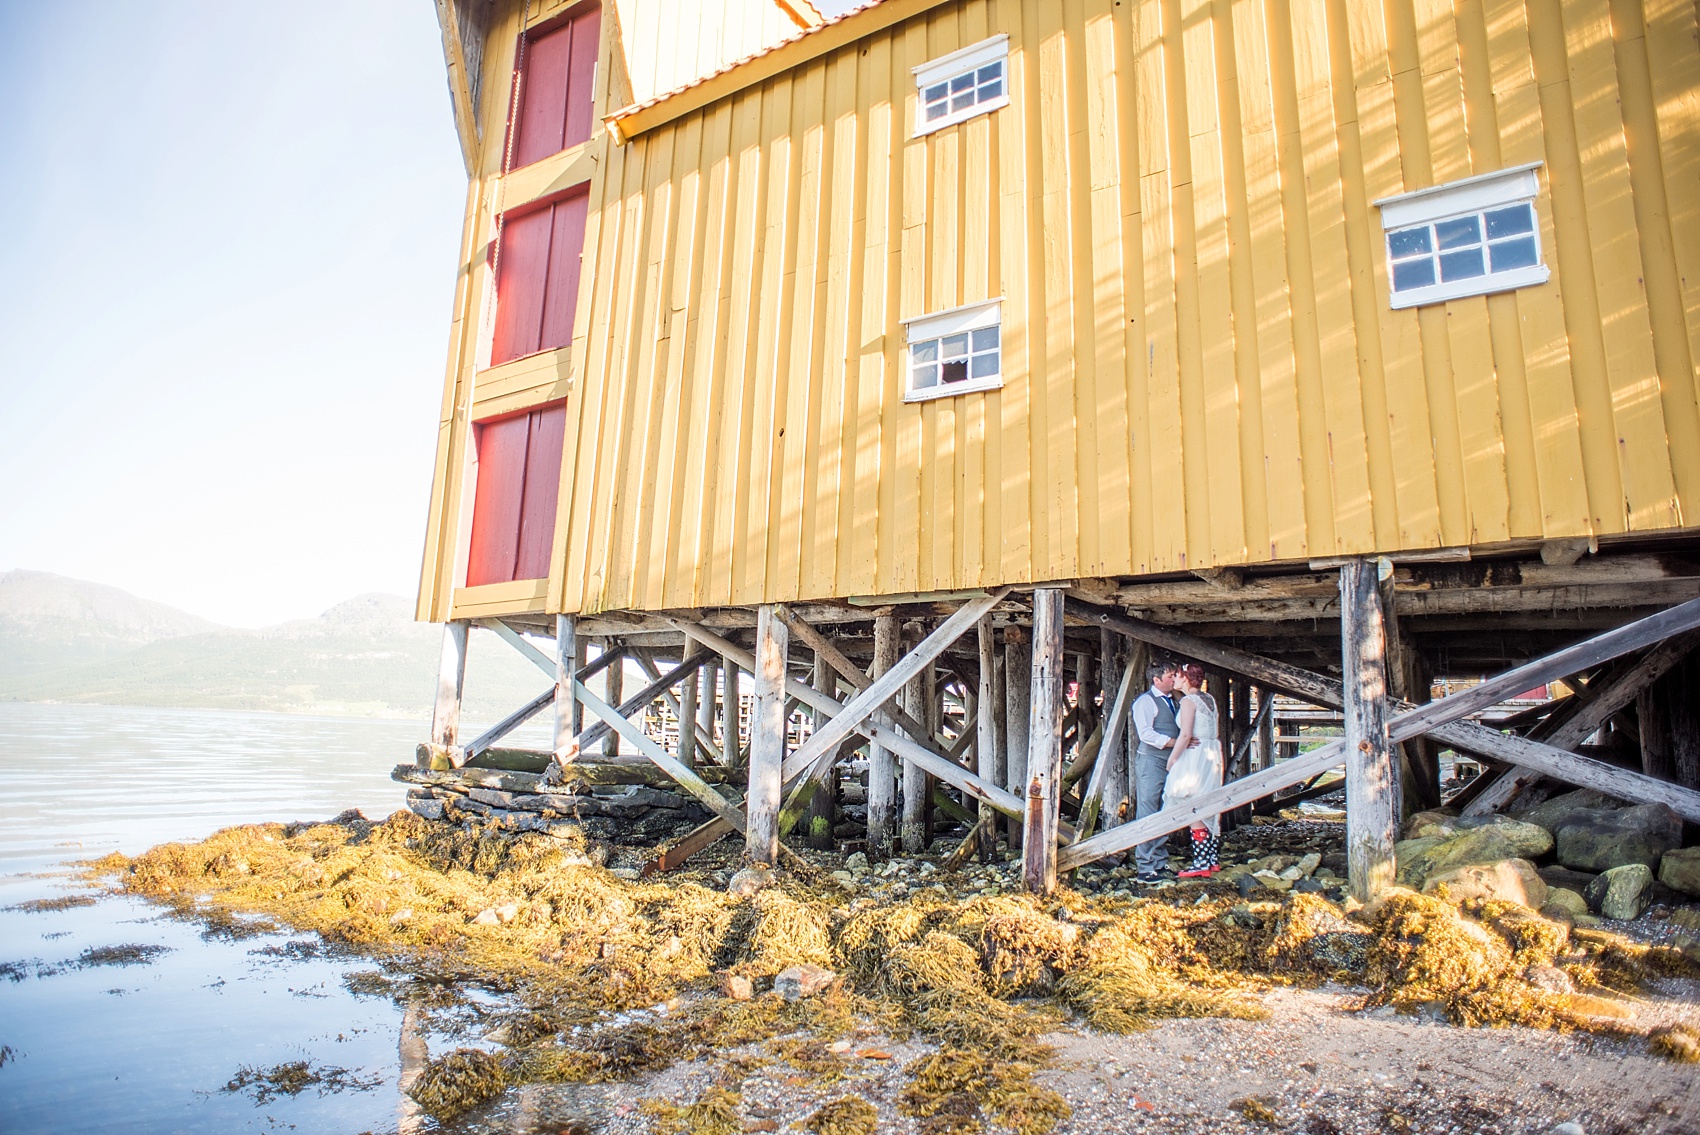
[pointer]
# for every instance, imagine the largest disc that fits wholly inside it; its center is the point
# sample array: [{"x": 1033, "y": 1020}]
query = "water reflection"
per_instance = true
[{"x": 117, "y": 1016}]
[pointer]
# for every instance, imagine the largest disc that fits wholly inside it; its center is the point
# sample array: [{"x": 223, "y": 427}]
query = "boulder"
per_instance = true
[
  {"x": 1598, "y": 839},
  {"x": 750, "y": 880},
  {"x": 802, "y": 981},
  {"x": 1530, "y": 840},
  {"x": 1431, "y": 824},
  {"x": 1550, "y": 978},
  {"x": 736, "y": 987},
  {"x": 1564, "y": 877},
  {"x": 1466, "y": 849},
  {"x": 1509, "y": 880},
  {"x": 1408, "y": 852},
  {"x": 1680, "y": 870},
  {"x": 1569, "y": 901},
  {"x": 1553, "y": 812},
  {"x": 1621, "y": 892},
  {"x": 1309, "y": 864}
]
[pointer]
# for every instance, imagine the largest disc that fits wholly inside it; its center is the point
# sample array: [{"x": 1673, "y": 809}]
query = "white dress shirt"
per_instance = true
[{"x": 1145, "y": 717}]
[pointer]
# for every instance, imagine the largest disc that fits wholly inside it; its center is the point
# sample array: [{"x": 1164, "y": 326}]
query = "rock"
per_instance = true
[
  {"x": 802, "y": 981},
  {"x": 844, "y": 878},
  {"x": 750, "y": 880},
  {"x": 1407, "y": 852},
  {"x": 1509, "y": 880},
  {"x": 507, "y": 912},
  {"x": 1530, "y": 840},
  {"x": 1621, "y": 892},
  {"x": 1553, "y": 812},
  {"x": 1309, "y": 887},
  {"x": 1567, "y": 900},
  {"x": 486, "y": 917},
  {"x": 1430, "y": 825},
  {"x": 629, "y": 874},
  {"x": 1246, "y": 885},
  {"x": 1273, "y": 882},
  {"x": 1597, "y": 839},
  {"x": 1680, "y": 870},
  {"x": 1466, "y": 849},
  {"x": 1292, "y": 874},
  {"x": 1567, "y": 1129},
  {"x": 1570, "y": 880},
  {"x": 736, "y": 987},
  {"x": 1309, "y": 864},
  {"x": 1550, "y": 978}
]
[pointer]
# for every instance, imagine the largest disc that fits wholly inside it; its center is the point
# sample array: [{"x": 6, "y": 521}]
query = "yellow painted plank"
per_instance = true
[{"x": 1011, "y": 441}]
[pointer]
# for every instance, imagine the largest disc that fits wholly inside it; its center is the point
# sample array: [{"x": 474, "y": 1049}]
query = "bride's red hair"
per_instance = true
[{"x": 1194, "y": 674}]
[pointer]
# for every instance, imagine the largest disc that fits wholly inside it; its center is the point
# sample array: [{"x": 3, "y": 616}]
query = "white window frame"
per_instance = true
[
  {"x": 958, "y": 63},
  {"x": 936, "y": 325},
  {"x": 1463, "y": 198}
]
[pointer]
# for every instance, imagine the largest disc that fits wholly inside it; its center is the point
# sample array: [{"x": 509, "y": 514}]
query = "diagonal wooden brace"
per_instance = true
[
  {"x": 665, "y": 761},
  {"x": 630, "y": 706}
]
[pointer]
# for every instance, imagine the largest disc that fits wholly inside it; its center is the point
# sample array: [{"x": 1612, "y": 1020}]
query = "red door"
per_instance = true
[
  {"x": 537, "y": 277},
  {"x": 518, "y": 484},
  {"x": 556, "y": 102}
]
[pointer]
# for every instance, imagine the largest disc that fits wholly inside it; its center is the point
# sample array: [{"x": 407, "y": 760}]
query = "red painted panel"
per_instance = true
[
  {"x": 565, "y": 249},
  {"x": 548, "y": 427},
  {"x": 580, "y": 122},
  {"x": 521, "y": 284},
  {"x": 543, "y": 95},
  {"x": 498, "y": 501}
]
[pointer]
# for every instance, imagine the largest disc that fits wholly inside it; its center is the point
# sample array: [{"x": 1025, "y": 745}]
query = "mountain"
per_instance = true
[
  {"x": 50, "y": 622},
  {"x": 79, "y": 642}
]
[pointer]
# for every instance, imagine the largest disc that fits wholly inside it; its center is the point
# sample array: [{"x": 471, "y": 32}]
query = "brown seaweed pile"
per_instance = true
[{"x": 617, "y": 978}]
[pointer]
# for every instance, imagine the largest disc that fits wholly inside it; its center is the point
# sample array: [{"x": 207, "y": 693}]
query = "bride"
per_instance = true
[{"x": 1195, "y": 767}]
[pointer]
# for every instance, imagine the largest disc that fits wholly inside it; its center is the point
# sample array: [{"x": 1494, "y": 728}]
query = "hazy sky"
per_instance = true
[{"x": 224, "y": 296}]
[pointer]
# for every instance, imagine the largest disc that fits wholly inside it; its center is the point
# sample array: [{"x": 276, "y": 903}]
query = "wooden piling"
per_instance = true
[
  {"x": 566, "y": 649},
  {"x": 451, "y": 685},
  {"x": 822, "y": 813},
  {"x": 688, "y": 709},
  {"x": 1044, "y": 743},
  {"x": 917, "y": 704},
  {"x": 1018, "y": 702},
  {"x": 985, "y": 724},
  {"x": 1372, "y": 790},
  {"x": 882, "y": 770},
  {"x": 1263, "y": 748},
  {"x": 615, "y": 693},
  {"x": 767, "y": 739},
  {"x": 1113, "y": 786}
]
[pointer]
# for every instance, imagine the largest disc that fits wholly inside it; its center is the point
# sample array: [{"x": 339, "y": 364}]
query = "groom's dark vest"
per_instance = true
[{"x": 1163, "y": 723}]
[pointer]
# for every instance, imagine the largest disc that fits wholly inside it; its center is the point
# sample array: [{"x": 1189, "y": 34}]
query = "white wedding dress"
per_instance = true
[{"x": 1199, "y": 768}]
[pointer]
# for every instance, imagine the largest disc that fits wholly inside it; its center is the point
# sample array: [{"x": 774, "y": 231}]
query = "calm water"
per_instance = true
[{"x": 150, "y": 1046}]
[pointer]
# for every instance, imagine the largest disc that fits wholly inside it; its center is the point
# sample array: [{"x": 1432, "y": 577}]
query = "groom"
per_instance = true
[{"x": 1155, "y": 730}]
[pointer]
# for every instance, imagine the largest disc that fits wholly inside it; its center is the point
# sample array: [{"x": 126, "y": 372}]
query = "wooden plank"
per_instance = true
[
  {"x": 1018, "y": 704},
  {"x": 503, "y": 727},
  {"x": 985, "y": 725},
  {"x": 1372, "y": 791},
  {"x": 520, "y": 643},
  {"x": 631, "y": 705},
  {"x": 767, "y": 740},
  {"x": 882, "y": 769},
  {"x": 916, "y": 699},
  {"x": 1093, "y": 803},
  {"x": 566, "y": 651},
  {"x": 1044, "y": 744},
  {"x": 451, "y": 685}
]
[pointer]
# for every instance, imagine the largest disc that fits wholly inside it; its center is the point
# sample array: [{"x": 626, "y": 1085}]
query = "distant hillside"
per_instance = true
[
  {"x": 49, "y": 622},
  {"x": 363, "y": 657}
]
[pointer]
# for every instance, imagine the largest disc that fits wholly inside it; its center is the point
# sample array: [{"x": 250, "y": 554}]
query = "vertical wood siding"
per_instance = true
[{"x": 1201, "y": 364}]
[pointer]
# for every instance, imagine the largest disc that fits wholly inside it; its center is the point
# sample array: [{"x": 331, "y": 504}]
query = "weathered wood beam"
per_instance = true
[
  {"x": 686, "y": 778},
  {"x": 1093, "y": 803},
  {"x": 985, "y": 726},
  {"x": 631, "y": 705},
  {"x": 882, "y": 766},
  {"x": 451, "y": 686},
  {"x": 1372, "y": 792},
  {"x": 646, "y": 662},
  {"x": 1018, "y": 704},
  {"x": 1044, "y": 745},
  {"x": 767, "y": 739},
  {"x": 566, "y": 650},
  {"x": 685, "y": 708},
  {"x": 915, "y": 699}
]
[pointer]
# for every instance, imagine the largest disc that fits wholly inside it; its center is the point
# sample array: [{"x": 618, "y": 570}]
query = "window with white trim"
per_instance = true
[
  {"x": 954, "y": 87},
  {"x": 1467, "y": 238},
  {"x": 955, "y": 352}
]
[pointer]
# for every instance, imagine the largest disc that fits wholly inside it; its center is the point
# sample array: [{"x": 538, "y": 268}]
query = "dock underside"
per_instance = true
[{"x": 948, "y": 724}]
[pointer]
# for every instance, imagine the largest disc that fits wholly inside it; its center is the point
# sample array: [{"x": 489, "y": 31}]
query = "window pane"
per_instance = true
[
  {"x": 1510, "y": 254},
  {"x": 936, "y": 110},
  {"x": 924, "y": 352},
  {"x": 954, "y": 372},
  {"x": 1511, "y": 221},
  {"x": 990, "y": 72},
  {"x": 926, "y": 376},
  {"x": 1461, "y": 265},
  {"x": 986, "y": 365},
  {"x": 962, "y": 82},
  {"x": 1413, "y": 274},
  {"x": 986, "y": 339},
  {"x": 961, "y": 103},
  {"x": 1409, "y": 242},
  {"x": 991, "y": 91},
  {"x": 938, "y": 93},
  {"x": 954, "y": 345},
  {"x": 1461, "y": 231}
]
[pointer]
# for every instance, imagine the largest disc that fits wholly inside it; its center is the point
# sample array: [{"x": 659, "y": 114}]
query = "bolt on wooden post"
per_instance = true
[
  {"x": 1372, "y": 789},
  {"x": 1044, "y": 744}
]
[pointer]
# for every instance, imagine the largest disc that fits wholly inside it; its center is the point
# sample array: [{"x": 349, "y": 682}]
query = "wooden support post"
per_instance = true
[
  {"x": 451, "y": 685},
  {"x": 581, "y": 659},
  {"x": 708, "y": 696},
  {"x": 1018, "y": 705},
  {"x": 1372, "y": 790},
  {"x": 1044, "y": 744},
  {"x": 912, "y": 831},
  {"x": 614, "y": 694},
  {"x": 731, "y": 745},
  {"x": 822, "y": 812},
  {"x": 1683, "y": 706},
  {"x": 985, "y": 724},
  {"x": 767, "y": 739},
  {"x": 1263, "y": 748},
  {"x": 882, "y": 769},
  {"x": 1000, "y": 731},
  {"x": 688, "y": 708},
  {"x": 1112, "y": 751},
  {"x": 566, "y": 649},
  {"x": 1652, "y": 719}
]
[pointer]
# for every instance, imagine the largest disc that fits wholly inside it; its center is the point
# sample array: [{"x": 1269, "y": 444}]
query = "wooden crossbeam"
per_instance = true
[
  {"x": 851, "y": 673},
  {"x": 1093, "y": 803},
  {"x": 520, "y": 643},
  {"x": 630, "y": 706},
  {"x": 703, "y": 737},
  {"x": 505, "y": 726}
]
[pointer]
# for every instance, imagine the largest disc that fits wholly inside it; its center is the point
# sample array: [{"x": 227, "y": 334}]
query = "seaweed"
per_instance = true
[
  {"x": 295, "y": 1077},
  {"x": 60, "y": 902},
  {"x": 714, "y": 1113},
  {"x": 457, "y": 1082},
  {"x": 846, "y": 1115},
  {"x": 1680, "y": 1043}
]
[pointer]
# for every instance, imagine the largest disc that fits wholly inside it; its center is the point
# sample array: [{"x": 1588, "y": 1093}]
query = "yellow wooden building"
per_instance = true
[{"x": 1158, "y": 300}]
